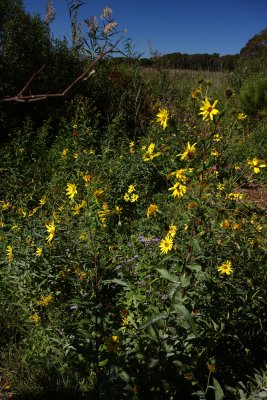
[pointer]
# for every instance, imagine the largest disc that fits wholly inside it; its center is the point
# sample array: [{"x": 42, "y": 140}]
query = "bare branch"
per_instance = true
[
  {"x": 37, "y": 97},
  {"x": 31, "y": 79}
]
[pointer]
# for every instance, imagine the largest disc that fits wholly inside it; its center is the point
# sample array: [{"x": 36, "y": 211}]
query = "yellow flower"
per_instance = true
[
  {"x": 214, "y": 153},
  {"x": 113, "y": 344},
  {"x": 234, "y": 196},
  {"x": 118, "y": 210},
  {"x": 98, "y": 193},
  {"x": 195, "y": 93},
  {"x": 104, "y": 213},
  {"x": 126, "y": 197},
  {"x": 9, "y": 252},
  {"x": 42, "y": 201},
  {"x": 131, "y": 145},
  {"x": 179, "y": 190},
  {"x": 220, "y": 186},
  {"x": 134, "y": 197},
  {"x": 64, "y": 153},
  {"x": 35, "y": 318},
  {"x": 125, "y": 322},
  {"x": 45, "y": 300},
  {"x": 130, "y": 196},
  {"x": 152, "y": 210},
  {"x": 256, "y": 164},
  {"x": 189, "y": 152},
  {"x": 149, "y": 155},
  {"x": 5, "y": 205},
  {"x": 208, "y": 110},
  {"x": 166, "y": 244},
  {"x": 39, "y": 251},
  {"x": 217, "y": 138},
  {"x": 254, "y": 221},
  {"x": 33, "y": 211},
  {"x": 131, "y": 189},
  {"x": 76, "y": 209},
  {"x": 162, "y": 117},
  {"x": 50, "y": 230},
  {"x": 22, "y": 212},
  {"x": 172, "y": 230},
  {"x": 226, "y": 224},
  {"x": 87, "y": 178},
  {"x": 241, "y": 116},
  {"x": 83, "y": 236},
  {"x": 71, "y": 190},
  {"x": 237, "y": 227},
  {"x": 225, "y": 268},
  {"x": 180, "y": 175}
]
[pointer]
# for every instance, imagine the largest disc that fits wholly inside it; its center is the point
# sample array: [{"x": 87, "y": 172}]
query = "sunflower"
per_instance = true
[
  {"x": 166, "y": 244},
  {"x": 162, "y": 117},
  {"x": 189, "y": 152},
  {"x": 225, "y": 268},
  {"x": 71, "y": 190},
  {"x": 208, "y": 110}
]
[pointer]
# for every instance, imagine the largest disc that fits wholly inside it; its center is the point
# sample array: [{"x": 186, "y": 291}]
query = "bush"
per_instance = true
[{"x": 253, "y": 97}]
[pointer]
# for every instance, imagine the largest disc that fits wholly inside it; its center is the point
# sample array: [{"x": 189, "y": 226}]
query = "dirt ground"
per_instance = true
[{"x": 256, "y": 193}]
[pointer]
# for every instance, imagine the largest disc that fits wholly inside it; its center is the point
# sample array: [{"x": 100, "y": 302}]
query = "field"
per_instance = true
[{"x": 133, "y": 241}]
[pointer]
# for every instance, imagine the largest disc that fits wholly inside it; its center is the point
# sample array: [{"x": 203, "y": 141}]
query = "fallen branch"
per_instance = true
[{"x": 37, "y": 97}]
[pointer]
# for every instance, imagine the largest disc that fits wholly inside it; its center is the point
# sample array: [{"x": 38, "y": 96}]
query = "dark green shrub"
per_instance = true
[{"x": 253, "y": 97}]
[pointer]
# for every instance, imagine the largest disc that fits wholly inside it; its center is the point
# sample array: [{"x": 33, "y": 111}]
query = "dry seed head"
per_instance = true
[
  {"x": 109, "y": 27},
  {"x": 92, "y": 23},
  {"x": 50, "y": 12},
  {"x": 106, "y": 13}
]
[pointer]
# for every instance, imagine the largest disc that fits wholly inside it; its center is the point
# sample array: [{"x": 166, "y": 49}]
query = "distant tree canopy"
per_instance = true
[
  {"x": 256, "y": 48},
  {"x": 211, "y": 62}
]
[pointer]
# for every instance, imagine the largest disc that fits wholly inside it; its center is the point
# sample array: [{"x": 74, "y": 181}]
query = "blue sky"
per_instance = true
[{"x": 186, "y": 26}]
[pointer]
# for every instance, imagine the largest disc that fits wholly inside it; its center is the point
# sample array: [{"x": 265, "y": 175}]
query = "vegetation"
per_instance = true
[{"x": 132, "y": 227}]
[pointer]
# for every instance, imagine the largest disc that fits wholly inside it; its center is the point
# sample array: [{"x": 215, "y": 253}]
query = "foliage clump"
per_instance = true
[{"x": 253, "y": 97}]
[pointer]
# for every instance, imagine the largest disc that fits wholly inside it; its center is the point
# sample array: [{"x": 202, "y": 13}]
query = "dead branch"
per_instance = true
[
  {"x": 37, "y": 97},
  {"x": 31, "y": 79}
]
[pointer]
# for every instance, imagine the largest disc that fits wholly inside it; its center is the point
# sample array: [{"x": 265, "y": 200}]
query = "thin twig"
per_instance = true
[{"x": 31, "y": 79}]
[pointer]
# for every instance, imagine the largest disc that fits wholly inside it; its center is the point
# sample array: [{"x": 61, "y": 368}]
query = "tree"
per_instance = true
[
  {"x": 253, "y": 56},
  {"x": 256, "y": 46}
]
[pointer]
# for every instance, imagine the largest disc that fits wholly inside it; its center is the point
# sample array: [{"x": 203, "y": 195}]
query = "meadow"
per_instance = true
[
  {"x": 132, "y": 224},
  {"x": 133, "y": 262}
]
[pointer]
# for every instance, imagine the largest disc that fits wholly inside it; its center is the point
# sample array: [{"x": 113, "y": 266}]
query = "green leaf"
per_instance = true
[
  {"x": 219, "y": 395},
  {"x": 174, "y": 290},
  {"x": 117, "y": 281},
  {"x": 132, "y": 321},
  {"x": 186, "y": 316},
  {"x": 195, "y": 267},
  {"x": 168, "y": 275},
  {"x": 196, "y": 246},
  {"x": 103, "y": 363},
  {"x": 185, "y": 281},
  {"x": 124, "y": 376},
  {"x": 154, "y": 319}
]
